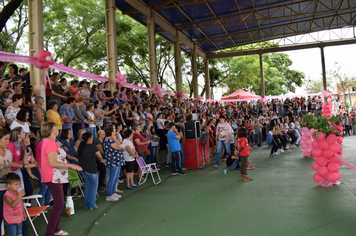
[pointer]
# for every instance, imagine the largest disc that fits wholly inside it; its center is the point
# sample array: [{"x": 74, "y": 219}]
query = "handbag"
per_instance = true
[{"x": 147, "y": 152}]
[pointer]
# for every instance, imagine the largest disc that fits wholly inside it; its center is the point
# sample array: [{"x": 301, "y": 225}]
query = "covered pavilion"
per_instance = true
[{"x": 213, "y": 29}]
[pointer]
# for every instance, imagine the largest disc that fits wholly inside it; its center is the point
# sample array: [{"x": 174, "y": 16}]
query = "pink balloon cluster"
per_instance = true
[
  {"x": 306, "y": 141},
  {"x": 327, "y": 109},
  {"x": 264, "y": 100},
  {"x": 327, "y": 164},
  {"x": 44, "y": 59},
  {"x": 181, "y": 94},
  {"x": 160, "y": 90},
  {"x": 121, "y": 79}
]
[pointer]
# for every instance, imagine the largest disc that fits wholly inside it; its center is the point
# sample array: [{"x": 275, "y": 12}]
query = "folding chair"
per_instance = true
[
  {"x": 34, "y": 212},
  {"x": 147, "y": 169},
  {"x": 75, "y": 180}
]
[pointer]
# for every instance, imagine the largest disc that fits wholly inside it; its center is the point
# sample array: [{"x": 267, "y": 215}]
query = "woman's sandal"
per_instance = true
[
  {"x": 61, "y": 232},
  {"x": 247, "y": 179}
]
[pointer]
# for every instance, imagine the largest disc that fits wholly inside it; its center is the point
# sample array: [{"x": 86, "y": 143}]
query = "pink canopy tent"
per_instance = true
[{"x": 239, "y": 94}]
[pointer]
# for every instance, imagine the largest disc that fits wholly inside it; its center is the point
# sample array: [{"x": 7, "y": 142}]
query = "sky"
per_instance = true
[{"x": 309, "y": 62}]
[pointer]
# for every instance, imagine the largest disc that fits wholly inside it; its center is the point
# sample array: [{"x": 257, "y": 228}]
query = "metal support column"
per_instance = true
[
  {"x": 35, "y": 25},
  {"x": 207, "y": 79},
  {"x": 194, "y": 73},
  {"x": 323, "y": 68},
  {"x": 262, "y": 78},
  {"x": 152, "y": 49},
  {"x": 111, "y": 44},
  {"x": 177, "y": 62}
]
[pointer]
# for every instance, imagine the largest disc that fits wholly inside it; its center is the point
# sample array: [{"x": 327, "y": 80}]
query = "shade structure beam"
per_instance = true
[
  {"x": 159, "y": 20},
  {"x": 35, "y": 24},
  {"x": 194, "y": 73},
  {"x": 111, "y": 43},
  {"x": 207, "y": 79},
  {"x": 177, "y": 62},
  {"x": 152, "y": 50}
]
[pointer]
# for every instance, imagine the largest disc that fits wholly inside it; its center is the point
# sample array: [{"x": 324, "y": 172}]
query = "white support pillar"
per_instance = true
[
  {"x": 35, "y": 25},
  {"x": 194, "y": 73},
  {"x": 111, "y": 44},
  {"x": 262, "y": 78},
  {"x": 207, "y": 79},
  {"x": 152, "y": 49},
  {"x": 177, "y": 62}
]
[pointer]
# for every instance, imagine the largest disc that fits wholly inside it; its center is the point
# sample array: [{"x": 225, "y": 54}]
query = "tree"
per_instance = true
[
  {"x": 7, "y": 11},
  {"x": 279, "y": 79},
  {"x": 343, "y": 81},
  {"x": 316, "y": 85},
  {"x": 16, "y": 15}
]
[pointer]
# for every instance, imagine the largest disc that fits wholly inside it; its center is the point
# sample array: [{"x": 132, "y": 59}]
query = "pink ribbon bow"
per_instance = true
[
  {"x": 160, "y": 90},
  {"x": 121, "y": 79},
  {"x": 181, "y": 94}
]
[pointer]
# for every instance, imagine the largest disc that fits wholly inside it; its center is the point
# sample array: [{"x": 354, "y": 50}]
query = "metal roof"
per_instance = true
[{"x": 214, "y": 25}]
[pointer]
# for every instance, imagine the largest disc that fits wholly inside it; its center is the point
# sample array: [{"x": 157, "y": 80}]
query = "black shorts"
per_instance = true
[{"x": 130, "y": 166}]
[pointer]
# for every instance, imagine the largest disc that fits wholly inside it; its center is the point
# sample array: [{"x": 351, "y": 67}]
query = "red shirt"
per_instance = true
[
  {"x": 243, "y": 142},
  {"x": 142, "y": 139}
]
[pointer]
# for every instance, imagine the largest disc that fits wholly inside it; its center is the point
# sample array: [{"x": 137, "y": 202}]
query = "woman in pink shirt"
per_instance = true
[{"x": 54, "y": 172}]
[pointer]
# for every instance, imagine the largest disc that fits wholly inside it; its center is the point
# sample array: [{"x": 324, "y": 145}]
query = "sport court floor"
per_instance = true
[{"x": 282, "y": 200}]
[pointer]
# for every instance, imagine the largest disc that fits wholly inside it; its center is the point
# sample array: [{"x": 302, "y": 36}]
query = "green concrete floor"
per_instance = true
[{"x": 283, "y": 200}]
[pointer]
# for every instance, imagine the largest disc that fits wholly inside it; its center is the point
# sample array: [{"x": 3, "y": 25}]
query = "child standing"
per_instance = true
[
  {"x": 14, "y": 212},
  {"x": 243, "y": 152}
]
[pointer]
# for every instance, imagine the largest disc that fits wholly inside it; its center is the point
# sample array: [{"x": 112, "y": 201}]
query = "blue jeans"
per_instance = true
[
  {"x": 153, "y": 151},
  {"x": 14, "y": 229},
  {"x": 234, "y": 165},
  {"x": 176, "y": 162},
  {"x": 258, "y": 138},
  {"x": 91, "y": 187},
  {"x": 182, "y": 164},
  {"x": 44, "y": 190},
  {"x": 220, "y": 146},
  {"x": 113, "y": 178},
  {"x": 93, "y": 131},
  {"x": 251, "y": 139}
]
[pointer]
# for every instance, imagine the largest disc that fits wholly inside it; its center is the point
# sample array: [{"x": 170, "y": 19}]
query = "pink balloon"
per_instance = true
[
  {"x": 322, "y": 171},
  {"x": 332, "y": 177},
  {"x": 308, "y": 141},
  {"x": 331, "y": 139},
  {"x": 38, "y": 64},
  {"x": 317, "y": 177},
  {"x": 338, "y": 175},
  {"x": 334, "y": 160},
  {"x": 312, "y": 130},
  {"x": 328, "y": 154},
  {"x": 51, "y": 62},
  {"x": 305, "y": 129},
  {"x": 37, "y": 54},
  {"x": 322, "y": 161},
  {"x": 315, "y": 144},
  {"x": 45, "y": 65},
  {"x": 317, "y": 152},
  {"x": 323, "y": 145},
  {"x": 41, "y": 59},
  {"x": 315, "y": 166},
  {"x": 308, "y": 150},
  {"x": 44, "y": 53},
  {"x": 336, "y": 148},
  {"x": 302, "y": 141},
  {"x": 333, "y": 167},
  {"x": 302, "y": 149},
  {"x": 321, "y": 136}
]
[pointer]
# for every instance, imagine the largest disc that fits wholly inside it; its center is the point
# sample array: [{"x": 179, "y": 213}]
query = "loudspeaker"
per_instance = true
[{"x": 192, "y": 129}]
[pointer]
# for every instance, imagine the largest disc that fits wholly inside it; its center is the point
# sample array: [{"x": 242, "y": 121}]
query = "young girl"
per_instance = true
[
  {"x": 14, "y": 212},
  {"x": 243, "y": 152}
]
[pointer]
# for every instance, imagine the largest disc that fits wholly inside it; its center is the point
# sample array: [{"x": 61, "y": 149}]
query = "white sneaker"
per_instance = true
[
  {"x": 277, "y": 153},
  {"x": 282, "y": 151}
]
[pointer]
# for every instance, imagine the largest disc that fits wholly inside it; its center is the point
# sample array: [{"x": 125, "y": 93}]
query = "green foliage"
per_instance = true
[
  {"x": 316, "y": 85},
  {"x": 347, "y": 105},
  {"x": 321, "y": 123},
  {"x": 308, "y": 120}
]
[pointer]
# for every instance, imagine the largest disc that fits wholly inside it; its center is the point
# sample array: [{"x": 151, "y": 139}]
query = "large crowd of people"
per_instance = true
[{"x": 99, "y": 133}]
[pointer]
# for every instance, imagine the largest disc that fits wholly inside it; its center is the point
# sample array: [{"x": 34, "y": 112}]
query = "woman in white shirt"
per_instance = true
[
  {"x": 129, "y": 154},
  {"x": 21, "y": 121},
  {"x": 91, "y": 119}
]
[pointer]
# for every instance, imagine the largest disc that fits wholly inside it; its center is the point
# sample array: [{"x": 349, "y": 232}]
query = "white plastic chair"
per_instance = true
[{"x": 146, "y": 170}]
